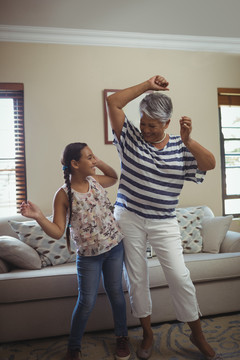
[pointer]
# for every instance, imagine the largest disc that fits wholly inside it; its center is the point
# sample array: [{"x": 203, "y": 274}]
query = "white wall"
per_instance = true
[{"x": 64, "y": 103}]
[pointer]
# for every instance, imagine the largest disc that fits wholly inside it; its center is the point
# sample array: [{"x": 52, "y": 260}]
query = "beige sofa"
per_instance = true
[{"x": 39, "y": 303}]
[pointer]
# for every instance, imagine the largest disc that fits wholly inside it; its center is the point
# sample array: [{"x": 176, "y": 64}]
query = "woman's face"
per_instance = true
[{"x": 152, "y": 130}]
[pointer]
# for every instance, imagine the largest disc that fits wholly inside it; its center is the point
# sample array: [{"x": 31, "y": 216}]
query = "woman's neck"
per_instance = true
[{"x": 160, "y": 145}]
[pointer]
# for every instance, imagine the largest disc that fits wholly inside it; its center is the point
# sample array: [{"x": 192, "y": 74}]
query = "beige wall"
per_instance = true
[{"x": 64, "y": 103}]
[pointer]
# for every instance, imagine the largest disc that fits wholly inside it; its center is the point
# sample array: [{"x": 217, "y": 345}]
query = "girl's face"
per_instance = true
[
  {"x": 152, "y": 130},
  {"x": 87, "y": 163}
]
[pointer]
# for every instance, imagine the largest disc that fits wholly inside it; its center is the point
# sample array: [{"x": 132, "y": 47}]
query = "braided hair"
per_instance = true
[{"x": 71, "y": 152}]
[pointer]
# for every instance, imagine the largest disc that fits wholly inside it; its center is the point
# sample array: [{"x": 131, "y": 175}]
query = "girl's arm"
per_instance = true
[
  {"x": 121, "y": 98},
  {"x": 109, "y": 176},
  {"x": 53, "y": 229}
]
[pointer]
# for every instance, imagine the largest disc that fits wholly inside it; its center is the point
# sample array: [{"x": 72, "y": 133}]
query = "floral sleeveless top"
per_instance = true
[{"x": 93, "y": 227}]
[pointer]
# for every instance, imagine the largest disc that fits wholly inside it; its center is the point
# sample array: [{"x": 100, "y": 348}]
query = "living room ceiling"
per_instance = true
[{"x": 218, "y": 18}]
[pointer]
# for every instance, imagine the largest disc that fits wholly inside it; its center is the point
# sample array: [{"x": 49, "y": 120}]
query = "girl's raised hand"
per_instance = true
[{"x": 30, "y": 210}]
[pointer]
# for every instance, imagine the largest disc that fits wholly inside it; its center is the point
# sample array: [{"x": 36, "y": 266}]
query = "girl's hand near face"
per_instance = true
[
  {"x": 109, "y": 176},
  {"x": 98, "y": 161}
]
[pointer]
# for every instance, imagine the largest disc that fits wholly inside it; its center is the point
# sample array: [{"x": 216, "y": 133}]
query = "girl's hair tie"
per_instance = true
[
  {"x": 69, "y": 225},
  {"x": 65, "y": 167}
]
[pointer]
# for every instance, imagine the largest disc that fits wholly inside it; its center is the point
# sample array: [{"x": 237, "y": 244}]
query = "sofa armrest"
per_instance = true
[{"x": 231, "y": 242}]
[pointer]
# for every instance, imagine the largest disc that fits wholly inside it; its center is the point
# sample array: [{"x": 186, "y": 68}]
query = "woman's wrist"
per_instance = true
[{"x": 188, "y": 142}]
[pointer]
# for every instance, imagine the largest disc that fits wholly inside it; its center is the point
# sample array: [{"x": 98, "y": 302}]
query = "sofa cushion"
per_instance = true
[
  {"x": 213, "y": 267},
  {"x": 19, "y": 254},
  {"x": 214, "y": 231},
  {"x": 60, "y": 281},
  {"x": 189, "y": 220},
  {"x": 51, "y": 282},
  {"x": 202, "y": 266},
  {"x": 231, "y": 242},
  {"x": 51, "y": 251}
]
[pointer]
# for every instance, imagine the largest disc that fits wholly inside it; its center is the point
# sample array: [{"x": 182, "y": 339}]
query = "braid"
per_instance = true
[
  {"x": 71, "y": 152},
  {"x": 68, "y": 183}
]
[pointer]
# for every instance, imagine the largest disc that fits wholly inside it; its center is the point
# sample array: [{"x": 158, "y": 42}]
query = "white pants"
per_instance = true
[{"x": 164, "y": 236}]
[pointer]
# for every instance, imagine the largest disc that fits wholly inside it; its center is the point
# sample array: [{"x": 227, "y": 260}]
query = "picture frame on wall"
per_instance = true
[{"x": 131, "y": 110}]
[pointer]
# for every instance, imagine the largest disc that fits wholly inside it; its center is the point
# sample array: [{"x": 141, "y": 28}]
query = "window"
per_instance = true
[
  {"x": 229, "y": 115},
  {"x": 12, "y": 149}
]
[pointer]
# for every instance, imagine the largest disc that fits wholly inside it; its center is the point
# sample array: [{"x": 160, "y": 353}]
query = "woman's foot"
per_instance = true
[
  {"x": 205, "y": 348},
  {"x": 73, "y": 355},
  {"x": 147, "y": 341},
  {"x": 144, "y": 351},
  {"x": 144, "y": 354}
]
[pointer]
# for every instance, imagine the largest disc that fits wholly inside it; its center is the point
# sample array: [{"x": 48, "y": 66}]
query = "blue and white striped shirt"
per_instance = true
[{"x": 151, "y": 179}]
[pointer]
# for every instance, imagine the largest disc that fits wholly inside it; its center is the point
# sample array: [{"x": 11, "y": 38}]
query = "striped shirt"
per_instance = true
[{"x": 151, "y": 179}]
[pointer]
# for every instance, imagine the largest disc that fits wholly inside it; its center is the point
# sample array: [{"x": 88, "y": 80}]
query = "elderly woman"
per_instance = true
[{"x": 154, "y": 166}]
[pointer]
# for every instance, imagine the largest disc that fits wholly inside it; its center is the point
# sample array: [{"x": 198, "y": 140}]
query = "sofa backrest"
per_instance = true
[
  {"x": 207, "y": 211},
  {"x": 5, "y": 228}
]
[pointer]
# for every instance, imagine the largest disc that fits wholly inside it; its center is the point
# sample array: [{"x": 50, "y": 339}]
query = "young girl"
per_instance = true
[{"x": 83, "y": 204}]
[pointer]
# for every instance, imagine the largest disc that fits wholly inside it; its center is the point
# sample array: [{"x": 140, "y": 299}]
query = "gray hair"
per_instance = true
[{"x": 157, "y": 105}]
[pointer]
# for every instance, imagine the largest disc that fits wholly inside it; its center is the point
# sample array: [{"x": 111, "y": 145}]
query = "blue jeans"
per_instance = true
[{"x": 89, "y": 271}]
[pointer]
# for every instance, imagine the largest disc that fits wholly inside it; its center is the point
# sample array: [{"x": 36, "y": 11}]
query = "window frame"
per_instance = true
[
  {"x": 15, "y": 91},
  {"x": 227, "y": 97}
]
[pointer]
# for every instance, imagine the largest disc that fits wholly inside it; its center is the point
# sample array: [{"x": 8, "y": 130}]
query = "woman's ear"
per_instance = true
[{"x": 167, "y": 124}]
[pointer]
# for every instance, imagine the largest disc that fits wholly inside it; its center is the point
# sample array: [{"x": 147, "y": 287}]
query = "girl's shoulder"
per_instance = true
[
  {"x": 62, "y": 191},
  {"x": 94, "y": 184},
  {"x": 92, "y": 181},
  {"x": 61, "y": 196}
]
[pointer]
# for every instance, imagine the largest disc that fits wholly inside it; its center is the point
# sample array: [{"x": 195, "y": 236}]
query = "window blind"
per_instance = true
[
  {"x": 15, "y": 91},
  {"x": 230, "y": 144},
  {"x": 228, "y": 96}
]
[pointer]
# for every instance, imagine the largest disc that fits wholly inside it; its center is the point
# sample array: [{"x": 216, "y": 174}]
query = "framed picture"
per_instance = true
[{"x": 131, "y": 110}]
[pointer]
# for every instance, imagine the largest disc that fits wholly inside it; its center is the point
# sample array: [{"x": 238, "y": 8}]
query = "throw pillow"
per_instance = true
[
  {"x": 189, "y": 220},
  {"x": 4, "y": 267},
  {"x": 19, "y": 254},
  {"x": 214, "y": 231},
  {"x": 51, "y": 251}
]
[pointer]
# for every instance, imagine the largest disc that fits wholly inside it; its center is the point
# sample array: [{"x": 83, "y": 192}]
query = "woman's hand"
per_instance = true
[
  {"x": 205, "y": 159},
  {"x": 118, "y": 100},
  {"x": 185, "y": 129},
  {"x": 158, "y": 82}
]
